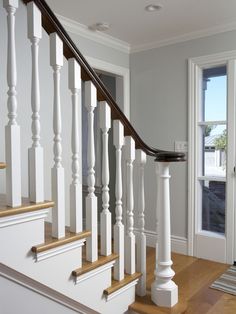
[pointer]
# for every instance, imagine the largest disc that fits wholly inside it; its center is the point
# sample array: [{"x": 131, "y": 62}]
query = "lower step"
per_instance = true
[
  {"x": 118, "y": 287},
  {"x": 88, "y": 268}
]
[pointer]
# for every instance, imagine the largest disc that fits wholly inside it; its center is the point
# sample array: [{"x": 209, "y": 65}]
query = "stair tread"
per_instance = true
[
  {"x": 116, "y": 285},
  {"x": 51, "y": 242},
  {"x": 26, "y": 206},
  {"x": 3, "y": 165},
  {"x": 88, "y": 266}
]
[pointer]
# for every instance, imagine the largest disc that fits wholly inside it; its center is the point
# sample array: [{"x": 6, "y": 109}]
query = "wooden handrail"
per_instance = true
[{"x": 51, "y": 24}]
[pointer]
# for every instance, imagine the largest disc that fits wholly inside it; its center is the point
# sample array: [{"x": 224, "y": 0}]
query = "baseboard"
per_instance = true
[{"x": 178, "y": 244}]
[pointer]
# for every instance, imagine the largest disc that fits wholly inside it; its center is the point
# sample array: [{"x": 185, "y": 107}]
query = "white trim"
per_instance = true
[
  {"x": 94, "y": 272},
  {"x": 206, "y": 123},
  {"x": 213, "y": 59},
  {"x": 21, "y": 218},
  {"x": 208, "y": 178},
  {"x": 112, "y": 42},
  {"x": 195, "y": 65},
  {"x": 117, "y": 70},
  {"x": 99, "y": 37},
  {"x": 59, "y": 250},
  {"x": 186, "y": 37},
  {"x": 43, "y": 290},
  {"x": 178, "y": 244},
  {"x": 122, "y": 290}
]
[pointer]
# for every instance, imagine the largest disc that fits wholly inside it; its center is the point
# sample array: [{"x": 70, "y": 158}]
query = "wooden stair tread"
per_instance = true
[
  {"x": 26, "y": 206},
  {"x": 3, "y": 165},
  {"x": 51, "y": 243},
  {"x": 88, "y": 266},
  {"x": 116, "y": 285}
]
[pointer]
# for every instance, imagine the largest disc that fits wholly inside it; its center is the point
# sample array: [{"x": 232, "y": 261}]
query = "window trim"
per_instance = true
[{"x": 194, "y": 74}]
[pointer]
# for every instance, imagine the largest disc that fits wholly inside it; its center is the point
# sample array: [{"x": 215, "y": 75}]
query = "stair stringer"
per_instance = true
[{"x": 55, "y": 271}]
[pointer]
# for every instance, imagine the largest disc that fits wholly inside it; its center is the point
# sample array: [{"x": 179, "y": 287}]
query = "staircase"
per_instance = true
[{"x": 82, "y": 264}]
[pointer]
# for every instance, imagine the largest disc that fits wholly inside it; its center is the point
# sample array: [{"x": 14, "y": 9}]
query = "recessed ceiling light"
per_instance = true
[
  {"x": 101, "y": 27},
  {"x": 153, "y": 7}
]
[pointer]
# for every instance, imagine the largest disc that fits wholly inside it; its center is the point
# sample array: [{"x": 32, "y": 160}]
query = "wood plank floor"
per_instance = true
[{"x": 193, "y": 277}]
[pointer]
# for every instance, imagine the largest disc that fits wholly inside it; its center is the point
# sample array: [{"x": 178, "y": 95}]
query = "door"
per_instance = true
[{"x": 214, "y": 177}]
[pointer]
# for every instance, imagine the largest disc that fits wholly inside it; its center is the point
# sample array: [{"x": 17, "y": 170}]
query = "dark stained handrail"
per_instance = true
[{"x": 51, "y": 24}]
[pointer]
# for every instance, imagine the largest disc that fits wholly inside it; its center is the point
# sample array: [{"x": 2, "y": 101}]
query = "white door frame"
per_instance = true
[
  {"x": 120, "y": 71},
  {"x": 194, "y": 69}
]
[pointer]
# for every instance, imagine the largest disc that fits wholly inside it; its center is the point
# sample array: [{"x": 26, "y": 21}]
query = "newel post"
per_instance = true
[{"x": 164, "y": 291}]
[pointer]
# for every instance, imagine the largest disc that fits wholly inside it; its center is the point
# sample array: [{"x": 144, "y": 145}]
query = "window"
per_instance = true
[{"x": 213, "y": 149}]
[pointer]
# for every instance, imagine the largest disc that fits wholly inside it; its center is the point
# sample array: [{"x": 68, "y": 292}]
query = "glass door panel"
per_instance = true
[{"x": 212, "y": 150}]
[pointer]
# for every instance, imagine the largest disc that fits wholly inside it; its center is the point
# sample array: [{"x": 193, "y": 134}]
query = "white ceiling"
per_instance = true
[{"x": 133, "y": 25}]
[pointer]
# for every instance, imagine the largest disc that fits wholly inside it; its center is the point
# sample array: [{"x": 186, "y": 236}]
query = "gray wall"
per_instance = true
[
  {"x": 159, "y": 112},
  {"x": 96, "y": 50}
]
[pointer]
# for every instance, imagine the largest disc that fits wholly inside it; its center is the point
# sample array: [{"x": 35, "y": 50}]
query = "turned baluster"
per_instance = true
[
  {"x": 105, "y": 220},
  {"x": 35, "y": 153},
  {"x": 118, "y": 140},
  {"x": 12, "y": 129},
  {"x": 58, "y": 180},
  {"x": 91, "y": 199},
  {"x": 76, "y": 214}
]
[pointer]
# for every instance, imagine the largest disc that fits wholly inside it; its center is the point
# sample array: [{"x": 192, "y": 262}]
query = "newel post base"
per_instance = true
[{"x": 164, "y": 292}]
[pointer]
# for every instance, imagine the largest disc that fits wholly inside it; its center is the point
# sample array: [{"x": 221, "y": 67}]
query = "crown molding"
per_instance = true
[
  {"x": 186, "y": 37},
  {"x": 99, "y": 37},
  {"x": 112, "y": 42}
]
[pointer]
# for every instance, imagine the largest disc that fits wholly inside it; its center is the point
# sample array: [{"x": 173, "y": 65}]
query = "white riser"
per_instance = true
[{"x": 55, "y": 272}]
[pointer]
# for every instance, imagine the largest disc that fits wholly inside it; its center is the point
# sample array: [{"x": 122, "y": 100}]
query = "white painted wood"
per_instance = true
[
  {"x": 122, "y": 290},
  {"x": 130, "y": 237},
  {"x": 58, "y": 180},
  {"x": 35, "y": 153},
  {"x": 88, "y": 292},
  {"x": 231, "y": 158},
  {"x": 105, "y": 217},
  {"x": 12, "y": 129},
  {"x": 164, "y": 292},
  {"x": 76, "y": 210},
  {"x": 23, "y": 218},
  {"x": 195, "y": 71},
  {"x": 27, "y": 292},
  {"x": 118, "y": 140},
  {"x": 90, "y": 99},
  {"x": 122, "y": 73},
  {"x": 94, "y": 272},
  {"x": 141, "y": 160},
  {"x": 60, "y": 250},
  {"x": 206, "y": 123}
]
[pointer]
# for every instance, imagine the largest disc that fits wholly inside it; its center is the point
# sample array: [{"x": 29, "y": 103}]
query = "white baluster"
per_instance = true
[
  {"x": 91, "y": 199},
  {"x": 130, "y": 237},
  {"x": 141, "y": 237},
  {"x": 12, "y": 130},
  {"x": 105, "y": 221},
  {"x": 76, "y": 217},
  {"x": 118, "y": 139},
  {"x": 36, "y": 180},
  {"x": 58, "y": 184},
  {"x": 164, "y": 291}
]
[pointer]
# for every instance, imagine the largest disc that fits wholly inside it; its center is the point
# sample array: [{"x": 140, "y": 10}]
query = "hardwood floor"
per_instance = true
[{"x": 193, "y": 276}]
